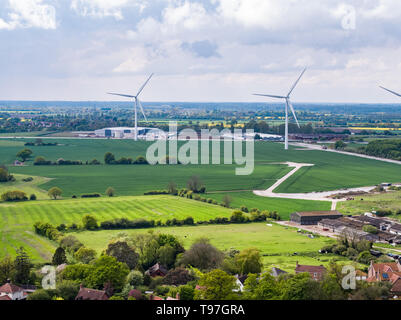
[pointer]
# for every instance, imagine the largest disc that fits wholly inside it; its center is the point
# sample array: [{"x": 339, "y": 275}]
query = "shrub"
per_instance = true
[
  {"x": 32, "y": 197},
  {"x": 13, "y": 196},
  {"x": 92, "y": 195},
  {"x": 370, "y": 229},
  {"x": 89, "y": 222},
  {"x": 41, "y": 161},
  {"x": 110, "y": 192}
]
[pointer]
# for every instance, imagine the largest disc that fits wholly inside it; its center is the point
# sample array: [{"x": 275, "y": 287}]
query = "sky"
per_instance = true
[{"x": 204, "y": 50}]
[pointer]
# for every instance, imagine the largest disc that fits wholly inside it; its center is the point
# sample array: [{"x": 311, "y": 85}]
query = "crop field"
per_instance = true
[
  {"x": 277, "y": 244},
  {"x": 30, "y": 187},
  {"x": 283, "y": 206},
  {"x": 331, "y": 171},
  {"x": 17, "y": 219},
  {"x": 386, "y": 201}
]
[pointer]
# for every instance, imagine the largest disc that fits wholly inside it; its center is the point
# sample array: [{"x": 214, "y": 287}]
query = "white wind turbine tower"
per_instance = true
[
  {"x": 288, "y": 105},
  {"x": 395, "y": 93},
  {"x": 137, "y": 104}
]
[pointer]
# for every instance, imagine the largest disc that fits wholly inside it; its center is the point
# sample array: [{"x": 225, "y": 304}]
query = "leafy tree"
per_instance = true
[
  {"x": 340, "y": 145},
  {"x": 123, "y": 253},
  {"x": 55, "y": 193},
  {"x": 67, "y": 289},
  {"x": 24, "y": 154},
  {"x": 107, "y": 269},
  {"x": 172, "y": 187},
  {"x": 266, "y": 288},
  {"x": 195, "y": 184},
  {"x": 216, "y": 285},
  {"x": 71, "y": 244},
  {"x": 85, "y": 255},
  {"x": 5, "y": 176},
  {"x": 203, "y": 255},
  {"x": 178, "y": 276},
  {"x": 6, "y": 269},
  {"x": 109, "y": 158},
  {"x": 135, "y": 278},
  {"x": 89, "y": 222},
  {"x": 110, "y": 192},
  {"x": 22, "y": 267},
  {"x": 227, "y": 201},
  {"x": 40, "y": 294},
  {"x": 78, "y": 273},
  {"x": 186, "y": 292},
  {"x": 365, "y": 257},
  {"x": 59, "y": 257},
  {"x": 300, "y": 287},
  {"x": 249, "y": 261},
  {"x": 166, "y": 255}
]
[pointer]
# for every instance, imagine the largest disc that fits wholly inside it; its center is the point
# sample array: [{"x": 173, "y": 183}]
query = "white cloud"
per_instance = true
[
  {"x": 29, "y": 14},
  {"x": 105, "y": 8},
  {"x": 137, "y": 61}
]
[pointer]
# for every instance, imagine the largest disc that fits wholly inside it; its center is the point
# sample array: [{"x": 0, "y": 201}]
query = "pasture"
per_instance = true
[
  {"x": 283, "y": 206},
  {"x": 277, "y": 244},
  {"x": 17, "y": 219},
  {"x": 390, "y": 200}
]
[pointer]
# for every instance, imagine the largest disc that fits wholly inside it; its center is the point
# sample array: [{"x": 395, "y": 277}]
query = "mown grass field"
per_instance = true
[
  {"x": 17, "y": 219},
  {"x": 283, "y": 206},
  {"x": 277, "y": 244},
  {"x": 386, "y": 201}
]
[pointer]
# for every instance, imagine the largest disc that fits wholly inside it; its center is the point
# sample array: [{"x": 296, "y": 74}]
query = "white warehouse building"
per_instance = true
[{"x": 129, "y": 133}]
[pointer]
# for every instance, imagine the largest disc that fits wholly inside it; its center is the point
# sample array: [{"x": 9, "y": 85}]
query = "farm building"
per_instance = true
[{"x": 314, "y": 217}]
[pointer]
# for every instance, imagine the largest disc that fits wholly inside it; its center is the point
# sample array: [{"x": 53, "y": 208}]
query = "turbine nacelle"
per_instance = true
[
  {"x": 137, "y": 103},
  {"x": 288, "y": 105}
]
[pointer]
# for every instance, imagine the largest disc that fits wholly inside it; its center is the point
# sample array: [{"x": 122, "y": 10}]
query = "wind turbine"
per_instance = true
[
  {"x": 288, "y": 105},
  {"x": 137, "y": 104},
  {"x": 395, "y": 93}
]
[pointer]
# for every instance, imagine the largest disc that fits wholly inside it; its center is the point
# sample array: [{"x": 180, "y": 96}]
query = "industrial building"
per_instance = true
[{"x": 129, "y": 133}]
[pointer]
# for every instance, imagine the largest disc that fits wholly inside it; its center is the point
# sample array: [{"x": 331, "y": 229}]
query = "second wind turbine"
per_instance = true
[
  {"x": 137, "y": 104},
  {"x": 288, "y": 105}
]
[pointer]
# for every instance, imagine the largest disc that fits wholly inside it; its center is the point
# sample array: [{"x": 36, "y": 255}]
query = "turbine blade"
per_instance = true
[
  {"x": 270, "y": 96},
  {"x": 397, "y": 94},
  {"x": 293, "y": 112},
  {"x": 121, "y": 95},
  {"x": 144, "y": 85},
  {"x": 296, "y": 82},
  {"x": 143, "y": 112}
]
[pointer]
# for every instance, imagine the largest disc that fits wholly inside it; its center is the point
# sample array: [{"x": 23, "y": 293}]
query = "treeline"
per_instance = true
[
  {"x": 388, "y": 149},
  {"x": 90, "y": 223},
  {"x": 110, "y": 159},
  {"x": 17, "y": 196}
]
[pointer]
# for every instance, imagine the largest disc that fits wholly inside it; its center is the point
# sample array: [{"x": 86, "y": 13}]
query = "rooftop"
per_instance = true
[{"x": 318, "y": 213}]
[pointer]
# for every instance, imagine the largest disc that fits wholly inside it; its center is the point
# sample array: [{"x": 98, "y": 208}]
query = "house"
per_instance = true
[
  {"x": 91, "y": 294},
  {"x": 276, "y": 272},
  {"x": 18, "y": 163},
  {"x": 396, "y": 229},
  {"x": 240, "y": 282},
  {"x": 389, "y": 271},
  {"x": 314, "y": 217},
  {"x": 157, "y": 271},
  {"x": 360, "y": 275},
  {"x": 10, "y": 291},
  {"x": 316, "y": 272}
]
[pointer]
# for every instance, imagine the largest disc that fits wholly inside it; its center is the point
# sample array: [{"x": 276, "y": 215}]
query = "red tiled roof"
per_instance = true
[
  {"x": 5, "y": 298},
  {"x": 396, "y": 288},
  {"x": 91, "y": 294},
  {"x": 155, "y": 298},
  {"x": 303, "y": 268},
  {"x": 136, "y": 294},
  {"x": 10, "y": 288}
]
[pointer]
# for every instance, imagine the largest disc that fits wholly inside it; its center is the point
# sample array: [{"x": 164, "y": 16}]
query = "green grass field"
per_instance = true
[
  {"x": 387, "y": 201},
  {"x": 17, "y": 219},
  {"x": 283, "y": 206},
  {"x": 278, "y": 244}
]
